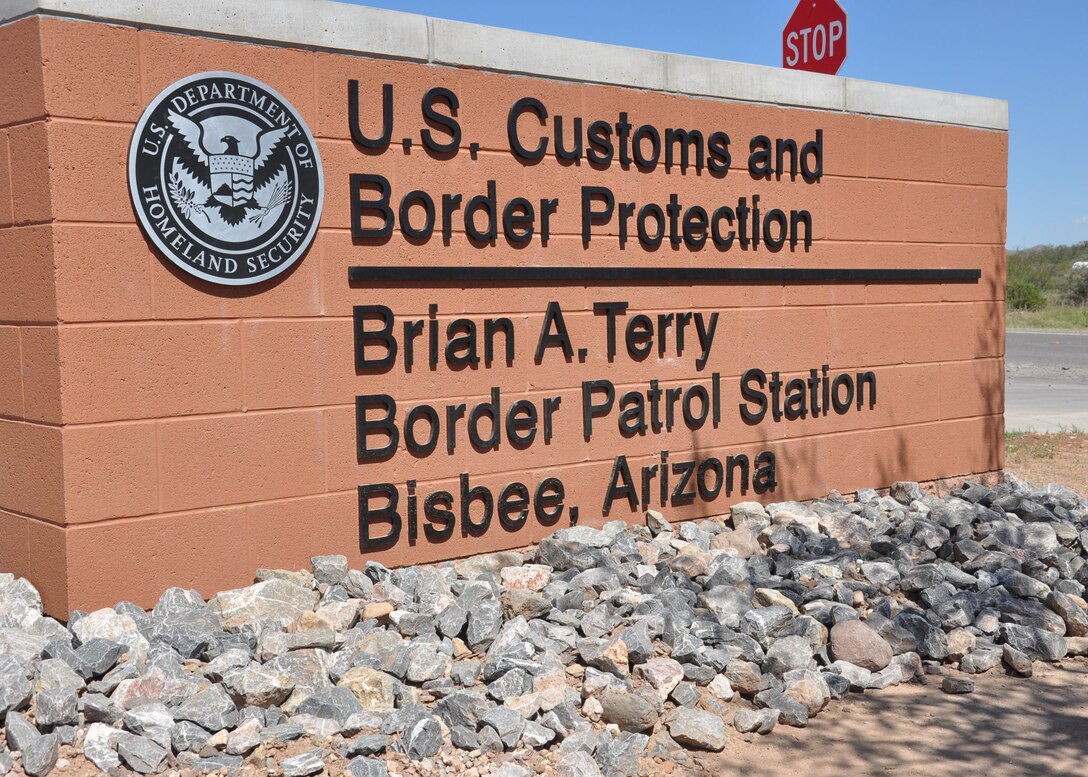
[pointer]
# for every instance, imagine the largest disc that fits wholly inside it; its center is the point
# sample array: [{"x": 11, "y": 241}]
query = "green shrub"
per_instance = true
[
  {"x": 1024, "y": 295},
  {"x": 1044, "y": 265},
  {"x": 1075, "y": 289}
]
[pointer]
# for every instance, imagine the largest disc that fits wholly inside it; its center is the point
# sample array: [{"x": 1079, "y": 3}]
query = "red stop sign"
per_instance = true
[{"x": 815, "y": 37}]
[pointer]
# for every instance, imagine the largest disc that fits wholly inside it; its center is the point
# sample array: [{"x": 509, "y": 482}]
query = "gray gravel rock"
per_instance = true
[
  {"x": 462, "y": 709},
  {"x": 153, "y": 721},
  {"x": 697, "y": 729},
  {"x": 330, "y": 570},
  {"x": 509, "y": 685},
  {"x": 97, "y": 708},
  {"x": 335, "y": 703},
  {"x": 19, "y": 732},
  {"x": 192, "y": 630},
  {"x": 424, "y": 738},
  {"x": 367, "y": 767},
  {"x": 141, "y": 754},
  {"x": 258, "y": 686},
  {"x": 100, "y": 746},
  {"x": 464, "y": 738},
  {"x": 577, "y": 763},
  {"x": 20, "y": 645},
  {"x": 465, "y": 673},
  {"x": 284, "y": 732},
  {"x": 98, "y": 656},
  {"x": 56, "y": 707},
  {"x": 367, "y": 744},
  {"x": 1074, "y": 616},
  {"x": 620, "y": 755},
  {"x": 484, "y": 622},
  {"x": 211, "y": 709},
  {"x": 958, "y": 685},
  {"x": 629, "y": 711},
  {"x": 15, "y": 687},
  {"x": 982, "y": 660},
  {"x": 686, "y": 694},
  {"x": 451, "y": 621},
  {"x": 536, "y": 736},
  {"x": 911, "y": 631},
  {"x": 606, "y": 655},
  {"x": 656, "y": 523},
  {"x": 790, "y": 711},
  {"x": 789, "y": 653},
  {"x": 837, "y": 685},
  {"x": 1017, "y": 661},
  {"x": 906, "y": 492},
  {"x": 506, "y": 723},
  {"x": 266, "y": 604},
  {"x": 304, "y": 764},
  {"x": 40, "y": 756},
  {"x": 1037, "y": 644},
  {"x": 186, "y": 736},
  {"x": 220, "y": 763},
  {"x": 55, "y": 674},
  {"x": 1021, "y": 585},
  {"x": 766, "y": 622},
  {"x": 761, "y": 721}
]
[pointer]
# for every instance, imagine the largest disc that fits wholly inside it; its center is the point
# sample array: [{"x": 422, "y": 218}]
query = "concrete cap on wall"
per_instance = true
[{"x": 337, "y": 26}]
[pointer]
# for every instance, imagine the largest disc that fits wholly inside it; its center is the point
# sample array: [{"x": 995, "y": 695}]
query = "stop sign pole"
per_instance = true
[{"x": 814, "y": 38}]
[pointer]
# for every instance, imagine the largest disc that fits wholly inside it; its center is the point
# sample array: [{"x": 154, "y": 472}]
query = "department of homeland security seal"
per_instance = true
[{"x": 225, "y": 178}]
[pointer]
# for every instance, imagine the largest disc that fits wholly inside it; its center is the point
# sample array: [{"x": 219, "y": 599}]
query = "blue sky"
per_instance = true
[{"x": 1035, "y": 55}]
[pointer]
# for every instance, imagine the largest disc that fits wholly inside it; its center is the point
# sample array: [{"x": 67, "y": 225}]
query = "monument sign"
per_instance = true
[{"x": 287, "y": 279}]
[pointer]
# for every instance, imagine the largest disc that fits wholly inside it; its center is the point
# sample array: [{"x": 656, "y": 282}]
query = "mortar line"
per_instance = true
[
  {"x": 694, "y": 452},
  {"x": 527, "y": 391},
  {"x": 317, "y": 319}
]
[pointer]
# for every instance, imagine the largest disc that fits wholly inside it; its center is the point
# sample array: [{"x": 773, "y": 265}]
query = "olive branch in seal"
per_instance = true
[
  {"x": 184, "y": 199},
  {"x": 280, "y": 195}
]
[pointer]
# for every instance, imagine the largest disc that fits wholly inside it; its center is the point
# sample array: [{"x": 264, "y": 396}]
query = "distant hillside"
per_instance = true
[{"x": 1047, "y": 267}]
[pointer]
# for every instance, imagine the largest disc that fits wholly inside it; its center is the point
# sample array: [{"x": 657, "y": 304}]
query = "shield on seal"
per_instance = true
[{"x": 231, "y": 178}]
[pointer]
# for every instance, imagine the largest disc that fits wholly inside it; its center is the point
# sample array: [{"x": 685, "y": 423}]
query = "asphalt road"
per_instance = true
[{"x": 1046, "y": 381}]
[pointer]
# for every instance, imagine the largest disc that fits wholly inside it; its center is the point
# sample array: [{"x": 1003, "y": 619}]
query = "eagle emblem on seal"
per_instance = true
[{"x": 232, "y": 177}]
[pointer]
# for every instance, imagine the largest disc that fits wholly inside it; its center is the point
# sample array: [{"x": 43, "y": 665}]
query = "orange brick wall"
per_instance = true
[
  {"x": 31, "y": 478},
  {"x": 165, "y": 431}
]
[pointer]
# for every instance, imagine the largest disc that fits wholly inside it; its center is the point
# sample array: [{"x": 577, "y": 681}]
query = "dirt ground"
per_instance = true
[
  {"x": 1049, "y": 458},
  {"x": 1008, "y": 727}
]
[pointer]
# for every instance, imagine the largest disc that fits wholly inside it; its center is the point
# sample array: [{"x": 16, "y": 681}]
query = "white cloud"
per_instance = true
[{"x": 1081, "y": 220}]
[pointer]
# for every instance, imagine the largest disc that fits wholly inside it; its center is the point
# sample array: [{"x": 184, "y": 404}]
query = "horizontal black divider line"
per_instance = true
[{"x": 450, "y": 274}]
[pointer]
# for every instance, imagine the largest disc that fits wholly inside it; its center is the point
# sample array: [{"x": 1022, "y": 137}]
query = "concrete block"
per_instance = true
[
  {"x": 753, "y": 83},
  {"x": 327, "y": 25},
  {"x": 908, "y": 102},
  {"x": 471, "y": 45}
]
